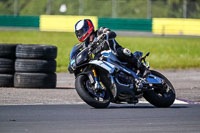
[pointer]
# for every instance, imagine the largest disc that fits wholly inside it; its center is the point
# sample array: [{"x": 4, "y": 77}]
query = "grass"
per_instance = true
[{"x": 166, "y": 52}]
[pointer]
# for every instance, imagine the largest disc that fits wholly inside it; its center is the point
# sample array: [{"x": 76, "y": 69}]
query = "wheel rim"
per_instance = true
[
  {"x": 166, "y": 91},
  {"x": 100, "y": 96}
]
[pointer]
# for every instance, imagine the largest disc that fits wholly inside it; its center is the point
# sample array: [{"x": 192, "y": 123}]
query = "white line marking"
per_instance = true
[{"x": 175, "y": 102}]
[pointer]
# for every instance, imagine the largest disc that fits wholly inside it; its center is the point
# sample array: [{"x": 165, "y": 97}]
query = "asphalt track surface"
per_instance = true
[
  {"x": 184, "y": 118},
  {"x": 61, "y": 112},
  {"x": 61, "y": 117}
]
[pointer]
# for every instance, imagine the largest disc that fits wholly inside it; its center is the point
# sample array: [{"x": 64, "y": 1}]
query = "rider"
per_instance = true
[{"x": 86, "y": 34}]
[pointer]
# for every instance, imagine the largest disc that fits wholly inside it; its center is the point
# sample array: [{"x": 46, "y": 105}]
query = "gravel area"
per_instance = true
[{"x": 186, "y": 84}]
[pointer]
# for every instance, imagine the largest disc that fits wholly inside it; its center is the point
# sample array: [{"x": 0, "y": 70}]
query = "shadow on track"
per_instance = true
[
  {"x": 64, "y": 88},
  {"x": 145, "y": 106}
]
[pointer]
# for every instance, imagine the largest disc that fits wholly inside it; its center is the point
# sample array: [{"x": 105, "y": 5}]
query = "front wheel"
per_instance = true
[
  {"x": 162, "y": 96},
  {"x": 85, "y": 91}
]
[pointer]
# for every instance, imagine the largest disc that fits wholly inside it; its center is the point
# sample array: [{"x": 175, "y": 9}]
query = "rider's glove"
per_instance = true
[
  {"x": 127, "y": 52},
  {"x": 103, "y": 36},
  {"x": 106, "y": 30},
  {"x": 103, "y": 30}
]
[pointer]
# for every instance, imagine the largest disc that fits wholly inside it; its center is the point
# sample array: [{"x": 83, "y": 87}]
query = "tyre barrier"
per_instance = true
[
  {"x": 28, "y": 65},
  {"x": 7, "y": 51},
  {"x": 6, "y": 66},
  {"x": 33, "y": 51},
  {"x": 6, "y": 80},
  {"x": 7, "y": 59},
  {"x": 35, "y": 66},
  {"x": 35, "y": 80}
]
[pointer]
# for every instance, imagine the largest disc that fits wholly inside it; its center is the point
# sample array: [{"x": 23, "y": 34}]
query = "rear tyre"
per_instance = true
[
  {"x": 86, "y": 95},
  {"x": 164, "y": 97}
]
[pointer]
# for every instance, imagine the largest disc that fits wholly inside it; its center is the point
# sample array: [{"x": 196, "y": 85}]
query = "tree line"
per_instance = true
[{"x": 104, "y": 8}]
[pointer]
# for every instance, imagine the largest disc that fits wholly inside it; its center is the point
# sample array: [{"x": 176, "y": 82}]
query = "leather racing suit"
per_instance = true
[{"x": 116, "y": 48}]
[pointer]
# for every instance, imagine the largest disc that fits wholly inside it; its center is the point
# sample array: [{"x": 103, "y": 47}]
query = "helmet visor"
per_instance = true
[{"x": 82, "y": 31}]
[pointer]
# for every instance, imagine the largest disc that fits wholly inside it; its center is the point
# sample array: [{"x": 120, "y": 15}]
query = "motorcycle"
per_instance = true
[{"x": 101, "y": 78}]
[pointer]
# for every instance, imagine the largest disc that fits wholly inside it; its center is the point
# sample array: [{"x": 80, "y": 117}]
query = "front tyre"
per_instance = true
[
  {"x": 163, "y": 96},
  {"x": 84, "y": 90}
]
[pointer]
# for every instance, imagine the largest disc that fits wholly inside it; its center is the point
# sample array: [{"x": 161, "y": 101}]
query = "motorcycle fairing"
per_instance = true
[
  {"x": 103, "y": 64},
  {"x": 152, "y": 79},
  {"x": 111, "y": 57},
  {"x": 117, "y": 87}
]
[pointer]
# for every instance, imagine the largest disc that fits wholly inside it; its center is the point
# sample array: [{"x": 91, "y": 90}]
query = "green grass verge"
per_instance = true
[{"x": 166, "y": 52}]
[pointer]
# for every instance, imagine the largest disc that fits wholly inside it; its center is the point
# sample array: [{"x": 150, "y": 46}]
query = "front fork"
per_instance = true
[{"x": 97, "y": 85}]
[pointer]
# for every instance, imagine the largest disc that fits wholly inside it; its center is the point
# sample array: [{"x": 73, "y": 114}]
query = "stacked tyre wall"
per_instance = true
[
  {"x": 35, "y": 66},
  {"x": 7, "y": 59},
  {"x": 28, "y": 66}
]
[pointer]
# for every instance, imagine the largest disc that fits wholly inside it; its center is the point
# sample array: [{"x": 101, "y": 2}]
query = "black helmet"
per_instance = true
[{"x": 83, "y": 29}]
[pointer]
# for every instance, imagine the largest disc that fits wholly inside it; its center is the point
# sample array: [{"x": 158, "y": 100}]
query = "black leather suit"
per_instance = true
[{"x": 115, "y": 47}]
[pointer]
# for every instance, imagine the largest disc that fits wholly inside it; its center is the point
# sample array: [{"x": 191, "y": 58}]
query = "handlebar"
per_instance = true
[{"x": 97, "y": 43}]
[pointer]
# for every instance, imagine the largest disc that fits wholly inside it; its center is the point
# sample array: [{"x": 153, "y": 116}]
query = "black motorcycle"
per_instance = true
[{"x": 101, "y": 78}]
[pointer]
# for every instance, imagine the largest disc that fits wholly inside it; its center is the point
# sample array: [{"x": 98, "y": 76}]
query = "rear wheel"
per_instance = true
[
  {"x": 162, "y": 96},
  {"x": 85, "y": 90}
]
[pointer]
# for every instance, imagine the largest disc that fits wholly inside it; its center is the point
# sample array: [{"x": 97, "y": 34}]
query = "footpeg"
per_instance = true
[{"x": 138, "y": 84}]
